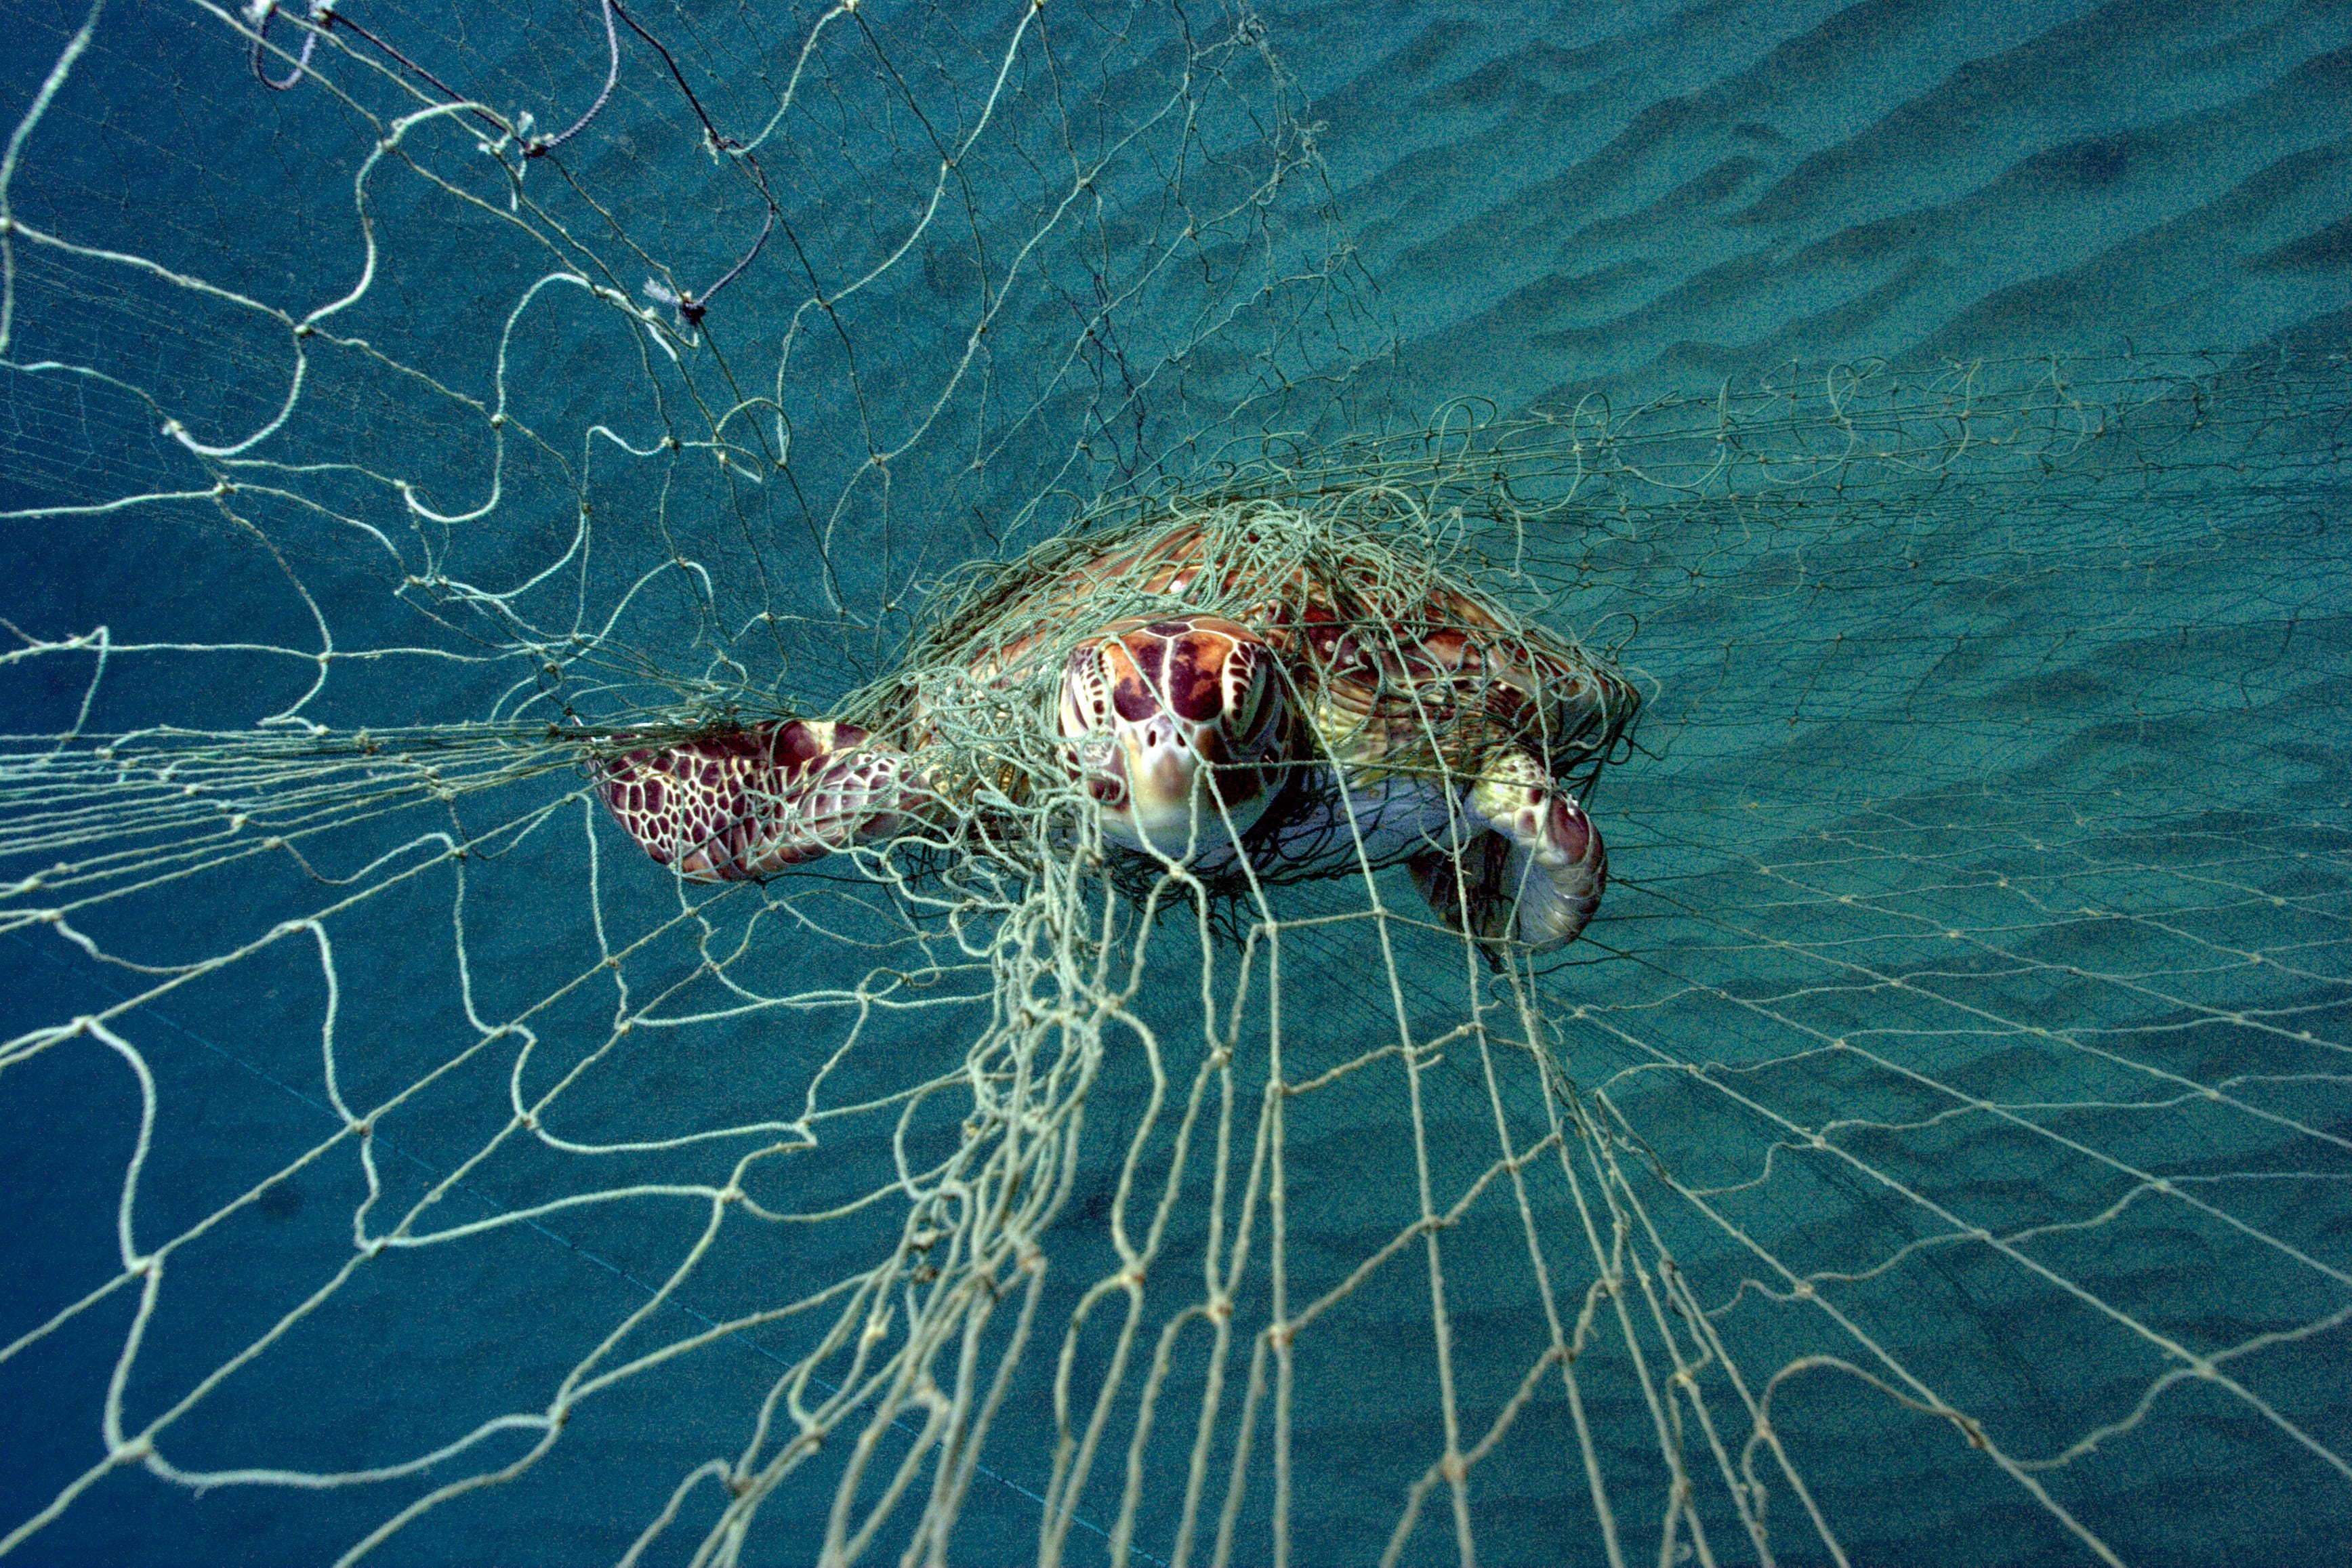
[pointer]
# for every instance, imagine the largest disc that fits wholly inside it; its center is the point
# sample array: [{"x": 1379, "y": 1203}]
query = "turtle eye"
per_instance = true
[
  {"x": 1086, "y": 694},
  {"x": 1254, "y": 711},
  {"x": 1250, "y": 697}
]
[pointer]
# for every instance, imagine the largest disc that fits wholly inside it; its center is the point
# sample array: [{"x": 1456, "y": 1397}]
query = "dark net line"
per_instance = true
[{"x": 1031, "y": 1203}]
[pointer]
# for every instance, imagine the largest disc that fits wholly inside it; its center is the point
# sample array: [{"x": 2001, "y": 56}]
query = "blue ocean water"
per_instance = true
[{"x": 1984, "y": 861}]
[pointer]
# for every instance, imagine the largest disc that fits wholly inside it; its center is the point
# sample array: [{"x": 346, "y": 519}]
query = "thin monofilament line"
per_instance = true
[{"x": 1975, "y": 932}]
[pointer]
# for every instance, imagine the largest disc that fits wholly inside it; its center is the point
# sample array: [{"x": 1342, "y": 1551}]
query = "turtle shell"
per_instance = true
[
  {"x": 1443, "y": 682},
  {"x": 1393, "y": 666},
  {"x": 1393, "y": 671}
]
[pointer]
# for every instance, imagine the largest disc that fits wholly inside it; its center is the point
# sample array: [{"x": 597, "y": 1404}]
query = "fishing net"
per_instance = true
[{"x": 1937, "y": 1146}]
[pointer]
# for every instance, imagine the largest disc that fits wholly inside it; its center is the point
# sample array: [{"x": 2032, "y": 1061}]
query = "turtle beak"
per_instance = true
[
  {"x": 1166, "y": 779},
  {"x": 1177, "y": 781}
]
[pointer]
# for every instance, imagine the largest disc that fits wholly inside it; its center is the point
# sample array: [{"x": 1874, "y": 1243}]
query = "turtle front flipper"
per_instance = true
[
  {"x": 747, "y": 803},
  {"x": 1533, "y": 868}
]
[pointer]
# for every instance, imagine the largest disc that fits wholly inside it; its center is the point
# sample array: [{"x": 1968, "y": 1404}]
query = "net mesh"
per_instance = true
[{"x": 1940, "y": 1136}]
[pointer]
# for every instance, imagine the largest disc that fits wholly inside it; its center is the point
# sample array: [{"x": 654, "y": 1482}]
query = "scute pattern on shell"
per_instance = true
[{"x": 1394, "y": 670}]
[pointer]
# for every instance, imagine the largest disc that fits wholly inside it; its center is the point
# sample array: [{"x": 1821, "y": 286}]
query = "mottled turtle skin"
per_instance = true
[{"x": 1328, "y": 719}]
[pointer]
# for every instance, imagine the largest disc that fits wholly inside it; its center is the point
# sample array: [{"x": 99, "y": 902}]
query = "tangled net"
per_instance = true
[
  {"x": 1940, "y": 1130},
  {"x": 1385, "y": 686}
]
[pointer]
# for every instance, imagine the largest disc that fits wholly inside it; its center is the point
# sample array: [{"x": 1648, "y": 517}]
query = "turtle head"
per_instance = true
[{"x": 1171, "y": 719}]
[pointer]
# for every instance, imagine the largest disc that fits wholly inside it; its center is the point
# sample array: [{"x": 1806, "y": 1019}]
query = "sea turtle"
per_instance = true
[{"x": 1312, "y": 698}]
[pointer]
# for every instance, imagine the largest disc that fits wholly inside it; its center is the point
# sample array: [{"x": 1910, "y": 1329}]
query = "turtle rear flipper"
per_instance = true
[
  {"x": 746, "y": 803},
  {"x": 1535, "y": 873},
  {"x": 1469, "y": 893}
]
